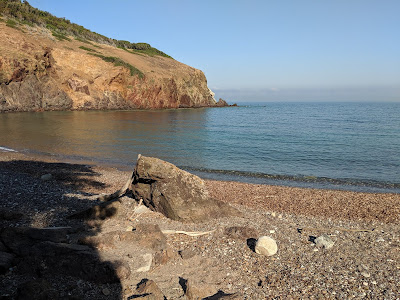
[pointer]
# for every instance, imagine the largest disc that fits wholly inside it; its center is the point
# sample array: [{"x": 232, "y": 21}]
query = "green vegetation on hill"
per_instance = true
[
  {"x": 61, "y": 27},
  {"x": 87, "y": 49},
  {"x": 119, "y": 62}
]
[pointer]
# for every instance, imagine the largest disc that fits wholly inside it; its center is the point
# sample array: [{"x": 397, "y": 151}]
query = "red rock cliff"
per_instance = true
[{"x": 37, "y": 72}]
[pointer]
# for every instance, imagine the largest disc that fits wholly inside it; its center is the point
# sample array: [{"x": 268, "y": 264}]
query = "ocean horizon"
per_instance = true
[{"x": 335, "y": 145}]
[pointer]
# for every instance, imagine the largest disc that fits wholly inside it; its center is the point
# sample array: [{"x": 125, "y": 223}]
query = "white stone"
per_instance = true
[
  {"x": 266, "y": 246},
  {"x": 366, "y": 274},
  {"x": 46, "y": 177},
  {"x": 148, "y": 259},
  {"x": 324, "y": 241},
  {"x": 140, "y": 209}
]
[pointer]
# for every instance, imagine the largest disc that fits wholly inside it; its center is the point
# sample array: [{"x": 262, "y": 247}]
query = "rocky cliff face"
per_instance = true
[{"x": 38, "y": 72}]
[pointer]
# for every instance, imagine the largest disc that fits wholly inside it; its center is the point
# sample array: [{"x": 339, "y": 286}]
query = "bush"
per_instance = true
[
  {"x": 11, "y": 23},
  {"x": 60, "y": 36},
  {"x": 87, "y": 49},
  {"x": 120, "y": 63}
]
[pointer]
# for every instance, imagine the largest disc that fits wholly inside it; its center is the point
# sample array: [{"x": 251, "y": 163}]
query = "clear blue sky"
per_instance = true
[{"x": 344, "y": 50}]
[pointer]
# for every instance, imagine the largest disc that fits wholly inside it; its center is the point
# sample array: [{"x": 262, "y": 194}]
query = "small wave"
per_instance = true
[
  {"x": 4, "y": 149},
  {"x": 298, "y": 180}
]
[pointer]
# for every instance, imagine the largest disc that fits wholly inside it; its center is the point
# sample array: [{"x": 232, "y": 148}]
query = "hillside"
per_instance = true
[{"x": 46, "y": 64}]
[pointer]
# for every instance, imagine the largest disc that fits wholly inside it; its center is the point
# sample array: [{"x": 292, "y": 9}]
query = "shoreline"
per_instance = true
[
  {"x": 362, "y": 263},
  {"x": 307, "y": 182},
  {"x": 308, "y": 201}
]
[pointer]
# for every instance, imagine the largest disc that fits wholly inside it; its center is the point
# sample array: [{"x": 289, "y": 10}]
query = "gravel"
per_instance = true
[{"x": 364, "y": 261}]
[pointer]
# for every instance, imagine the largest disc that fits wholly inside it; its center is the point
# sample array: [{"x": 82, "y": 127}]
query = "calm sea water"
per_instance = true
[{"x": 333, "y": 145}]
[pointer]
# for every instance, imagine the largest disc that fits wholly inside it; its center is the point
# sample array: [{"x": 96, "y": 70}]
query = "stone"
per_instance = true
[
  {"x": 324, "y": 241},
  {"x": 10, "y": 215},
  {"x": 366, "y": 274},
  {"x": 163, "y": 256},
  {"x": 240, "y": 232},
  {"x": 38, "y": 289},
  {"x": 6, "y": 260},
  {"x": 106, "y": 292},
  {"x": 48, "y": 258},
  {"x": 147, "y": 262},
  {"x": 148, "y": 290},
  {"x": 220, "y": 295},
  {"x": 21, "y": 239},
  {"x": 187, "y": 253},
  {"x": 46, "y": 177},
  {"x": 143, "y": 235},
  {"x": 3, "y": 248},
  {"x": 196, "y": 290},
  {"x": 266, "y": 246},
  {"x": 175, "y": 193}
]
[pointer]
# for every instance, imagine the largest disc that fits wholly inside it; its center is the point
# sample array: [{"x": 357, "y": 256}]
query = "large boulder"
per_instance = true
[{"x": 175, "y": 193}]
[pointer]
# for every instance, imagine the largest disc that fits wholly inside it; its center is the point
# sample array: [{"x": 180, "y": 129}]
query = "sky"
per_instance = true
[{"x": 262, "y": 50}]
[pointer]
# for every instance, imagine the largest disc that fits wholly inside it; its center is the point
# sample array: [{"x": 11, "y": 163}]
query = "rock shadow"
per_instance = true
[
  {"x": 40, "y": 257},
  {"x": 251, "y": 243}
]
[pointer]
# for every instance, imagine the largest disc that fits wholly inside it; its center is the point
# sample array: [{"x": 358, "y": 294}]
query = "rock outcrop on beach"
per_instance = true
[
  {"x": 175, "y": 193},
  {"x": 39, "y": 70}
]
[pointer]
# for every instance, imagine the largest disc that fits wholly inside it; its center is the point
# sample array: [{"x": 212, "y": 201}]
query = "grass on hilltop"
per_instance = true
[{"x": 61, "y": 28}]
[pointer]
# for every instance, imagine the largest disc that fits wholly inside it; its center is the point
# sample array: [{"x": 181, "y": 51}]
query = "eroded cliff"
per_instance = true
[{"x": 39, "y": 72}]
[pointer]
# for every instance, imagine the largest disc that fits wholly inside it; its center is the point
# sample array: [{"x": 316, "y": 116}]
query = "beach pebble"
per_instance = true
[
  {"x": 266, "y": 246},
  {"x": 106, "y": 291},
  {"x": 324, "y": 241},
  {"x": 366, "y": 274},
  {"x": 46, "y": 177}
]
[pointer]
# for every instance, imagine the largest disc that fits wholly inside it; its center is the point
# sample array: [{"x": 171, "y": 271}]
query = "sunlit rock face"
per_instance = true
[{"x": 38, "y": 72}]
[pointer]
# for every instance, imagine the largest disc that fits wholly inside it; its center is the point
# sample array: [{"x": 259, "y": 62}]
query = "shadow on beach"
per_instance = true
[{"x": 41, "y": 257}]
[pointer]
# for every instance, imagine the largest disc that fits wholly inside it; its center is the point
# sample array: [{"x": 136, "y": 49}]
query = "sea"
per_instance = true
[{"x": 346, "y": 146}]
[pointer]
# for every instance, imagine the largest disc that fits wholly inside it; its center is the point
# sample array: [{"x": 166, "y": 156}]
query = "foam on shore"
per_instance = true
[{"x": 5, "y": 149}]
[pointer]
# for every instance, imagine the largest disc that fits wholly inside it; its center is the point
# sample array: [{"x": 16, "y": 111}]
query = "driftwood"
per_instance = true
[{"x": 189, "y": 233}]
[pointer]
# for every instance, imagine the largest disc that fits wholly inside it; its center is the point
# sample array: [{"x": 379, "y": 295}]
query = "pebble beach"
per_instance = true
[{"x": 362, "y": 260}]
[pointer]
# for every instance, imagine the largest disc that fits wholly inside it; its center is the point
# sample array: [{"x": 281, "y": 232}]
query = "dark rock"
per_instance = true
[
  {"x": 6, "y": 260},
  {"x": 222, "y": 103},
  {"x": 240, "y": 232},
  {"x": 220, "y": 295},
  {"x": 47, "y": 258},
  {"x": 3, "y": 248},
  {"x": 144, "y": 235},
  {"x": 19, "y": 240},
  {"x": 175, "y": 193},
  {"x": 198, "y": 290},
  {"x": 10, "y": 215},
  {"x": 187, "y": 253},
  {"x": 39, "y": 289},
  {"x": 163, "y": 256},
  {"x": 148, "y": 290}
]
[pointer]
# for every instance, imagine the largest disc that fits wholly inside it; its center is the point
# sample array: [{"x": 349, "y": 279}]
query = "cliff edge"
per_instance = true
[{"x": 40, "y": 71}]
